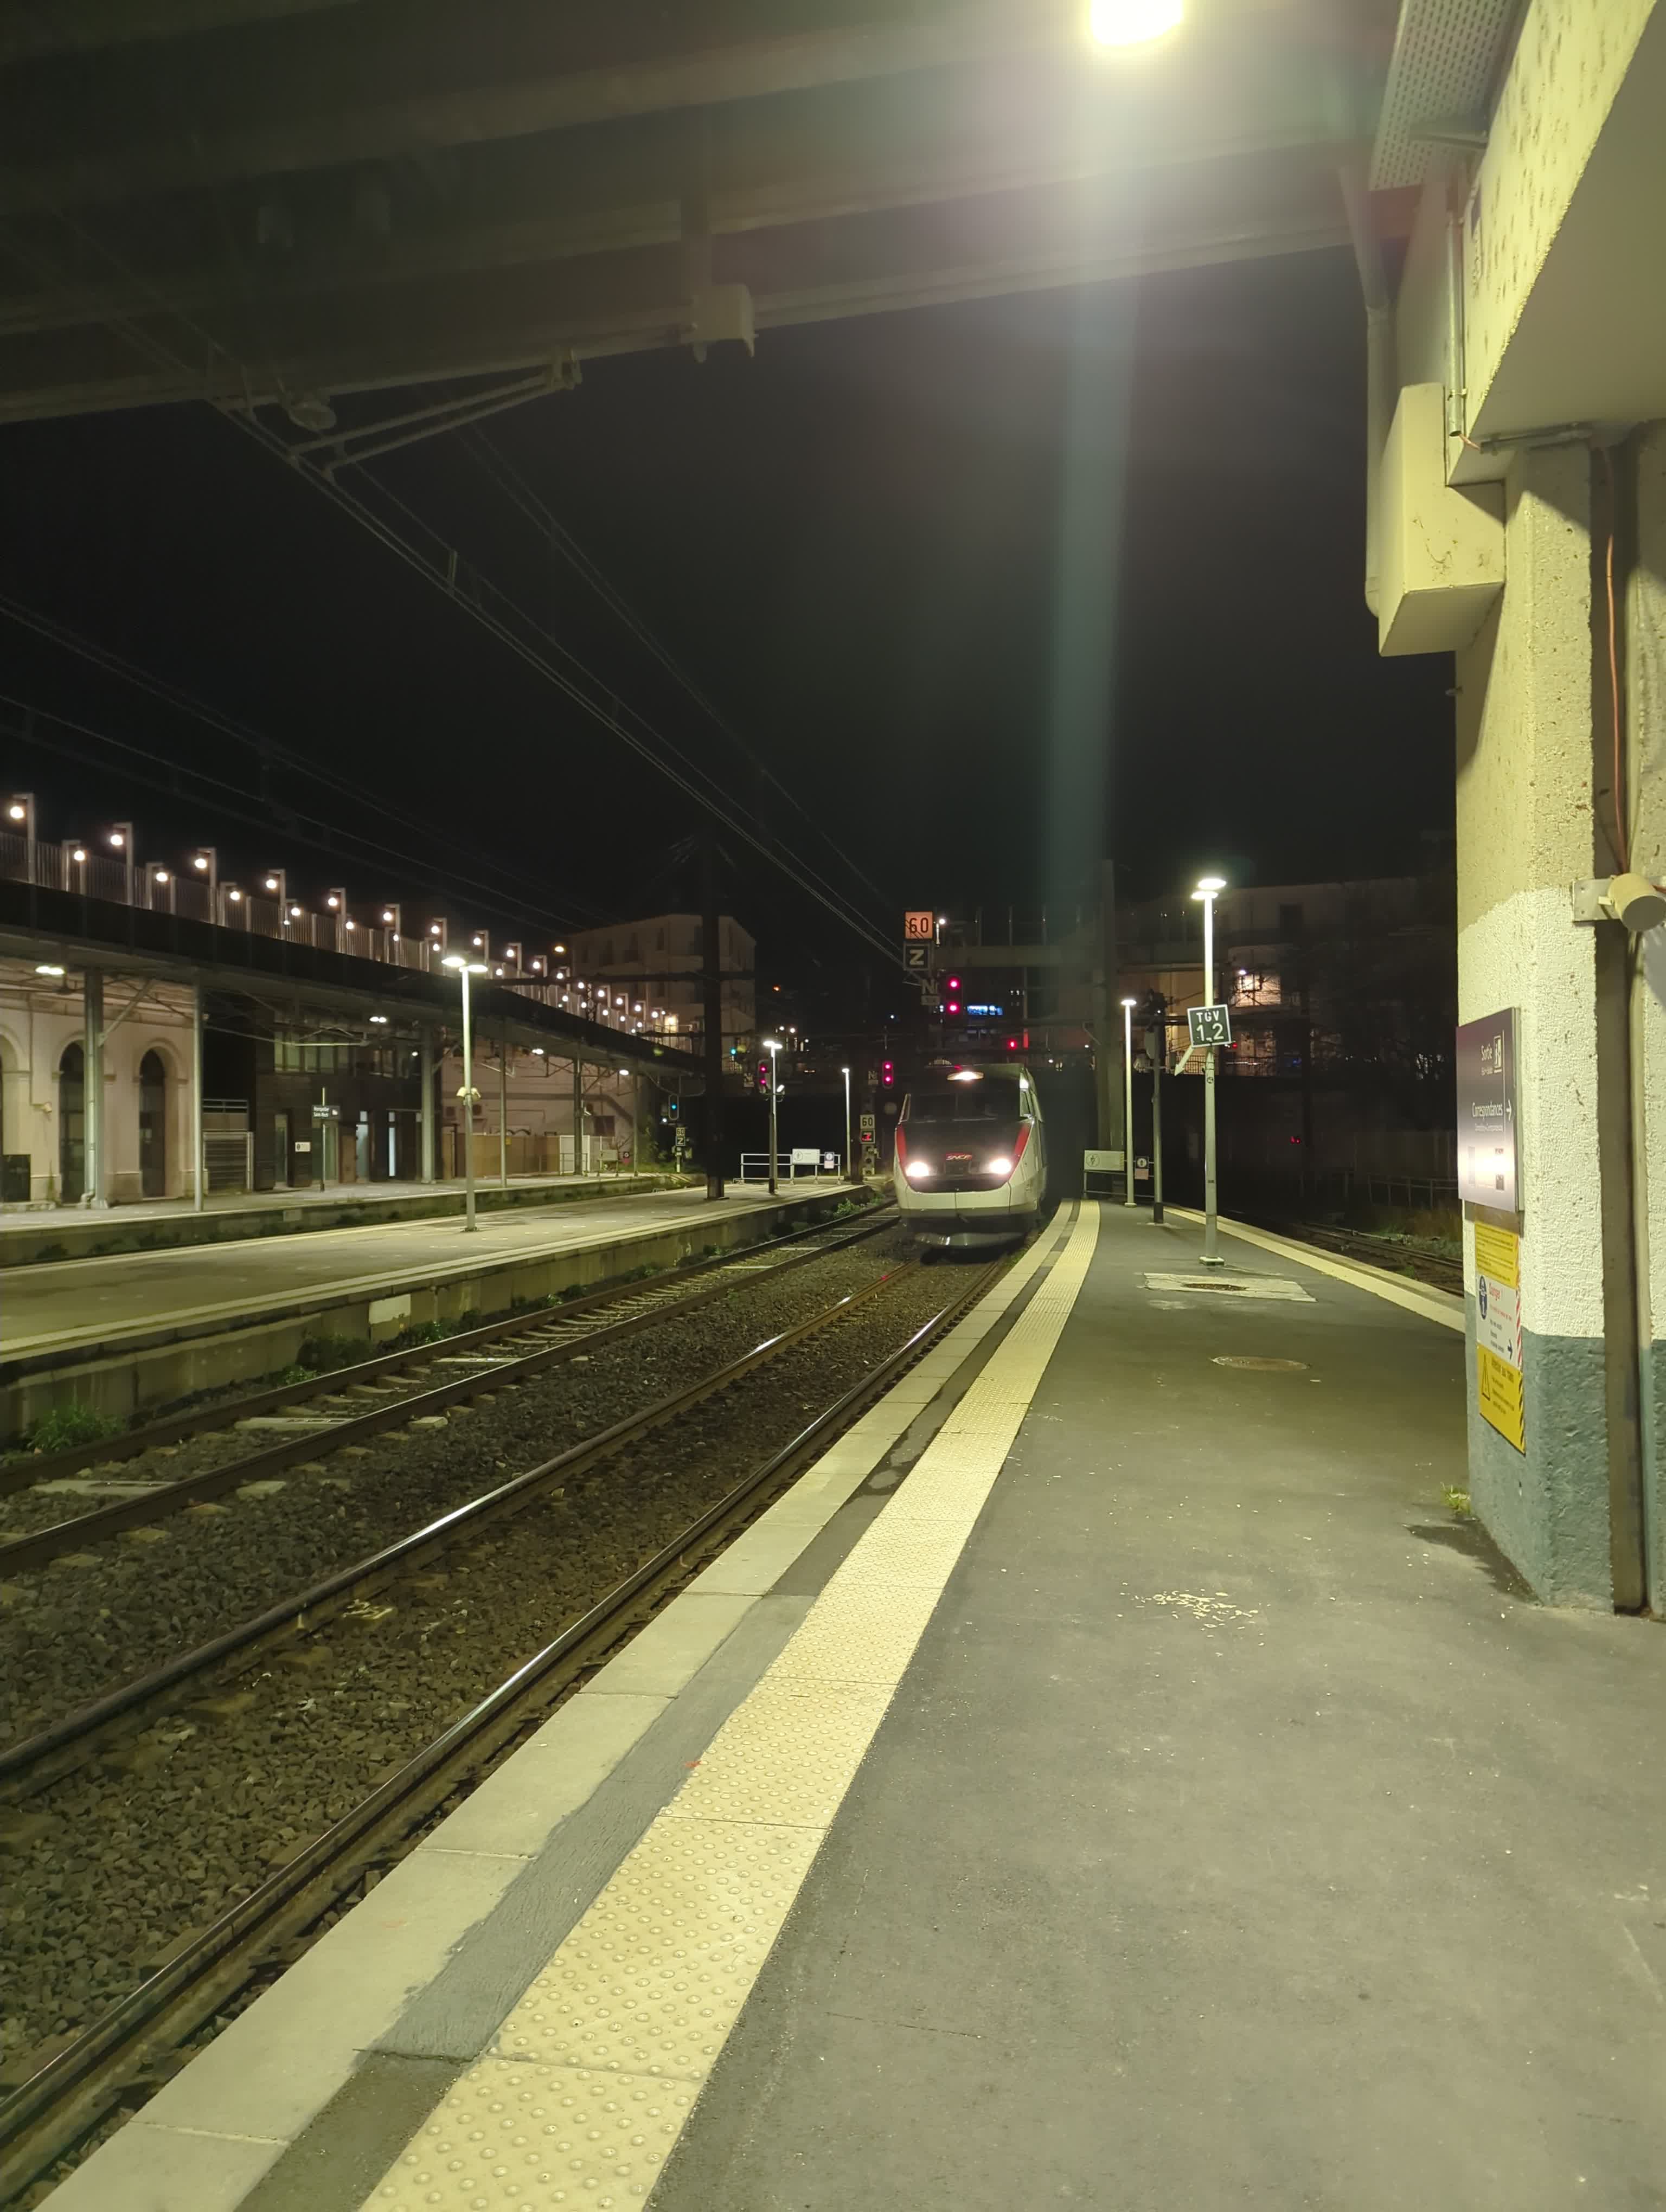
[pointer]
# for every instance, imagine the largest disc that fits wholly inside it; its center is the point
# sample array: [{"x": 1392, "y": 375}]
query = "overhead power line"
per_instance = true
[
  {"x": 425, "y": 550},
  {"x": 499, "y": 882},
  {"x": 21, "y": 722},
  {"x": 497, "y": 465}
]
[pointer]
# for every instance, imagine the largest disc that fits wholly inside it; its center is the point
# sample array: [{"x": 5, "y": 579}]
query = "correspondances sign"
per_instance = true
[{"x": 1487, "y": 1112}]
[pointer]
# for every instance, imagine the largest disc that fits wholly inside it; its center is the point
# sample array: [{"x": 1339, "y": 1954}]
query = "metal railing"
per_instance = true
[{"x": 790, "y": 1167}]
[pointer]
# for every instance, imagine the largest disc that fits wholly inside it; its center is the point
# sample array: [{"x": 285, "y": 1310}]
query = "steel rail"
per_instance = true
[
  {"x": 25, "y": 1470},
  {"x": 37, "y": 1759},
  {"x": 47, "y": 2115},
  {"x": 42, "y": 1546}
]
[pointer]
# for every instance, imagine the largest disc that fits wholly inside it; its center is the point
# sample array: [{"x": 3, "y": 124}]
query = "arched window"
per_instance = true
[
  {"x": 153, "y": 1127},
  {"x": 72, "y": 1125}
]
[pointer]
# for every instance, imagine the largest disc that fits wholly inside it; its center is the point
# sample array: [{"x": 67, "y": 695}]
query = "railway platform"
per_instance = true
[
  {"x": 122, "y": 1331},
  {"x": 34, "y": 1234},
  {"x": 1112, "y": 1775}
]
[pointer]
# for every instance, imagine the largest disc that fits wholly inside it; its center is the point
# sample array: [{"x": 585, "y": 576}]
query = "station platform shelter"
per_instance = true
[{"x": 1115, "y": 1774}]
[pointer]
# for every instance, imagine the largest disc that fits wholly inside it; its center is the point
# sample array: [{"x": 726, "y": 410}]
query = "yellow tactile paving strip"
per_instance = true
[{"x": 592, "y": 2074}]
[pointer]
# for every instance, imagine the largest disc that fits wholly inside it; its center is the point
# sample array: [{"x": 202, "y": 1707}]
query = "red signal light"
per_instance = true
[
  {"x": 954, "y": 982},
  {"x": 1012, "y": 1044}
]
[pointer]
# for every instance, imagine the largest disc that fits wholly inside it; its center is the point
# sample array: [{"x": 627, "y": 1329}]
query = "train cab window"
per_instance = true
[{"x": 989, "y": 1100}]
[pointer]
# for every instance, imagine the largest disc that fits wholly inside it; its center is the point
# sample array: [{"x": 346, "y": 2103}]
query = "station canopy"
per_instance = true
[{"x": 282, "y": 202}]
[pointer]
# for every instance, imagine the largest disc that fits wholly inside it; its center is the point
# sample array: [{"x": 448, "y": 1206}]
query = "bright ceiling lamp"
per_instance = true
[{"x": 1132, "y": 23}]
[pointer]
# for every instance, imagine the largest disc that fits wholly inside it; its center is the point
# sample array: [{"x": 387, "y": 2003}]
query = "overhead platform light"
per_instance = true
[{"x": 1133, "y": 23}]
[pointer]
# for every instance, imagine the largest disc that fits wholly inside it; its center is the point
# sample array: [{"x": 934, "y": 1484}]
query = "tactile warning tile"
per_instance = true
[
  {"x": 905, "y": 1552},
  {"x": 650, "y": 1980},
  {"x": 531, "y": 2136},
  {"x": 787, "y": 1755},
  {"x": 859, "y": 1631}
]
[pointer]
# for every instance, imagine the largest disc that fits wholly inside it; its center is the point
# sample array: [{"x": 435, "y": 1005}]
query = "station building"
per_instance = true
[{"x": 281, "y": 1053}]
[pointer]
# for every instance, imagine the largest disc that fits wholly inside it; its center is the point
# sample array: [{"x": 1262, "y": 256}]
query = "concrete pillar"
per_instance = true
[
  {"x": 578, "y": 1117},
  {"x": 503, "y": 1111},
  {"x": 95, "y": 1179},
  {"x": 198, "y": 1193},
  {"x": 425, "y": 1111},
  {"x": 1526, "y": 832}
]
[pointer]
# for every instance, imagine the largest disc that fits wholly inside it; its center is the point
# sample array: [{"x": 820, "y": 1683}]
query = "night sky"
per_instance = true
[{"x": 975, "y": 582}]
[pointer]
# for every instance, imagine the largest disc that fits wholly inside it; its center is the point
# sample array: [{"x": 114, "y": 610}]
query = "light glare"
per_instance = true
[{"x": 1132, "y": 23}]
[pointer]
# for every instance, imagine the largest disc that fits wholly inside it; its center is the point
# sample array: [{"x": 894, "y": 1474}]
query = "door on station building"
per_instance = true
[
  {"x": 72, "y": 1125},
  {"x": 281, "y": 1152},
  {"x": 153, "y": 1127}
]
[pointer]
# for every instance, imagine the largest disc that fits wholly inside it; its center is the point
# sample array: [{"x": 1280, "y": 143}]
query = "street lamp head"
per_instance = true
[
  {"x": 80, "y": 853},
  {"x": 1129, "y": 1002},
  {"x": 1132, "y": 23},
  {"x": 48, "y": 967},
  {"x": 200, "y": 861},
  {"x": 17, "y": 812},
  {"x": 1208, "y": 885},
  {"x": 771, "y": 1044}
]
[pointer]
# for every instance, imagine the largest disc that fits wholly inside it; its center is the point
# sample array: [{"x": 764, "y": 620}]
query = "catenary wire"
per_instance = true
[{"x": 608, "y": 711}]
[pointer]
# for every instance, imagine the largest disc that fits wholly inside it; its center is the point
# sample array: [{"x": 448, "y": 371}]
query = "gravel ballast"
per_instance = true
[
  {"x": 96, "y": 1618},
  {"x": 107, "y": 1869}
]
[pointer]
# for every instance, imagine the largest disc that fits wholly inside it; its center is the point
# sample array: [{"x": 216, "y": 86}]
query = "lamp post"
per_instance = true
[
  {"x": 1128, "y": 1102},
  {"x": 848, "y": 1177},
  {"x": 772, "y": 1046},
  {"x": 20, "y": 818},
  {"x": 1208, "y": 886},
  {"x": 465, "y": 968},
  {"x": 119, "y": 839}
]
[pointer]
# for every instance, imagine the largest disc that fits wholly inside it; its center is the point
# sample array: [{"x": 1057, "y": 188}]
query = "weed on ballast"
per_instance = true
[{"x": 61, "y": 1428}]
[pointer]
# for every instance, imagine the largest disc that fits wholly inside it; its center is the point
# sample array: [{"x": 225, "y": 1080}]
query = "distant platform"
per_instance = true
[
  {"x": 32, "y": 1235},
  {"x": 122, "y": 1331},
  {"x": 1111, "y": 1776}
]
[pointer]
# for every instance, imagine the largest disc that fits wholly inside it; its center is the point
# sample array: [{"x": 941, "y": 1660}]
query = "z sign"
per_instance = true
[{"x": 919, "y": 925}]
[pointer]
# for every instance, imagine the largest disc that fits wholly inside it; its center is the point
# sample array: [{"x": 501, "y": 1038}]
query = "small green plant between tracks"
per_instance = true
[{"x": 61, "y": 1428}]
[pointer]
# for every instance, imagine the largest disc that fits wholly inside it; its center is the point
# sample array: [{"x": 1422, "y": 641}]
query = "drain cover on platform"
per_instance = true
[
  {"x": 1236, "y": 1287},
  {"x": 1261, "y": 1366}
]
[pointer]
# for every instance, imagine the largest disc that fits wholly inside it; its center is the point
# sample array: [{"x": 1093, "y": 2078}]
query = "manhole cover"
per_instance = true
[
  {"x": 1262, "y": 1366},
  {"x": 1225, "y": 1285}
]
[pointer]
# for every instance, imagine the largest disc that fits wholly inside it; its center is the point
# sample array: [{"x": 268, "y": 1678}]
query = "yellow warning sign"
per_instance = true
[{"x": 1499, "y": 1332}]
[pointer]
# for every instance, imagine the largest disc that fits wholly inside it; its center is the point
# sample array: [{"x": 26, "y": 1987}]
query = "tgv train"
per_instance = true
[{"x": 971, "y": 1160}]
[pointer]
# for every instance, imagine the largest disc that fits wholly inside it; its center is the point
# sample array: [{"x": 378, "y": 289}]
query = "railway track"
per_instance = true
[
  {"x": 125, "y": 2051},
  {"x": 1440, "y": 1271},
  {"x": 353, "y": 1404}
]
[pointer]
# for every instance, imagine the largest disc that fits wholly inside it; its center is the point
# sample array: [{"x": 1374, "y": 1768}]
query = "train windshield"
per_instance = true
[{"x": 986, "y": 1104}]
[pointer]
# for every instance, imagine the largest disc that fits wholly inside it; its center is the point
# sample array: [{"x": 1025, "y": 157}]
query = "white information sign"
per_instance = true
[{"x": 1103, "y": 1162}]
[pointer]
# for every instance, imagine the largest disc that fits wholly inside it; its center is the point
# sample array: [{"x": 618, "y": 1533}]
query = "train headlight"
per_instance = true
[
  {"x": 916, "y": 1171},
  {"x": 998, "y": 1166}
]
